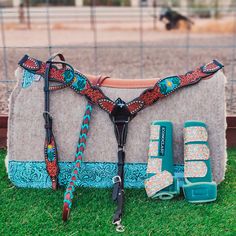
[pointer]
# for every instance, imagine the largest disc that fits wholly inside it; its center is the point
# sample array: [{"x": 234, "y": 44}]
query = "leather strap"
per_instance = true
[
  {"x": 118, "y": 192},
  {"x": 81, "y": 84},
  {"x": 100, "y": 80},
  {"x": 120, "y": 117},
  {"x": 50, "y": 149}
]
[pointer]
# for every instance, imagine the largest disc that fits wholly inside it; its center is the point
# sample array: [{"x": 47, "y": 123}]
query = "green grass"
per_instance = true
[{"x": 38, "y": 212}]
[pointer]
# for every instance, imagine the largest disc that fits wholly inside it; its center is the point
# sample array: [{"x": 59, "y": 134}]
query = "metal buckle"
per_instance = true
[
  {"x": 119, "y": 227},
  {"x": 116, "y": 179},
  {"x": 48, "y": 113}
]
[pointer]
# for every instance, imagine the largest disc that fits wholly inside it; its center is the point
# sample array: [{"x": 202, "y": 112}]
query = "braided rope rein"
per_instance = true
[{"x": 79, "y": 157}]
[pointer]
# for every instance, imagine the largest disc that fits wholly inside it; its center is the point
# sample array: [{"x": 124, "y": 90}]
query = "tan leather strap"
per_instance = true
[
  {"x": 121, "y": 83},
  {"x": 99, "y": 81},
  {"x": 109, "y": 82}
]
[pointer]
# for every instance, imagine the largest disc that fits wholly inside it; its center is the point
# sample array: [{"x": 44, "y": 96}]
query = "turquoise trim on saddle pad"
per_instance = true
[{"x": 33, "y": 174}]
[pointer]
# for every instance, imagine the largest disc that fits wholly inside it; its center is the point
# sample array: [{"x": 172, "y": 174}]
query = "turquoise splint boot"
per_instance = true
[
  {"x": 160, "y": 181},
  {"x": 199, "y": 186}
]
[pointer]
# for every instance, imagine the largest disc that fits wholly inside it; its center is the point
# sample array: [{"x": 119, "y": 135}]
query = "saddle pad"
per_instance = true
[{"x": 204, "y": 101}]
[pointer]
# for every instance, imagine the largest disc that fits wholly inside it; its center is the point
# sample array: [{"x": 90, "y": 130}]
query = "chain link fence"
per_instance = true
[{"x": 126, "y": 42}]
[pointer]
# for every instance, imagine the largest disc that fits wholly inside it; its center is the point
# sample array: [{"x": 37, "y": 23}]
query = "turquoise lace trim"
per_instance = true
[{"x": 28, "y": 174}]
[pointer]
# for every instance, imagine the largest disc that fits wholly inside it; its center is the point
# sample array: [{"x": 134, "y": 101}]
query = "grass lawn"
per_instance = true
[{"x": 38, "y": 212}]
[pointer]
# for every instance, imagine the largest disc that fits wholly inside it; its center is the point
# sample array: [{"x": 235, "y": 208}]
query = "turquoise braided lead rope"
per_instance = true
[{"x": 79, "y": 157}]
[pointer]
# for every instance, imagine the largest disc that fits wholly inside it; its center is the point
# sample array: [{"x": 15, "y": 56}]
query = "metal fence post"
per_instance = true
[
  {"x": 233, "y": 58},
  {"x": 94, "y": 28},
  {"x": 141, "y": 38},
  {"x": 28, "y": 13},
  {"x": 48, "y": 29},
  {"x": 5, "y": 62}
]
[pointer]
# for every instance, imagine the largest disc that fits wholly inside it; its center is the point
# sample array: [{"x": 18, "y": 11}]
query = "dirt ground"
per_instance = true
[{"x": 118, "y": 53}]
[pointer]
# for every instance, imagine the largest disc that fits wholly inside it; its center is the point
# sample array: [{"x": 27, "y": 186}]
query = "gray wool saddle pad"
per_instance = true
[{"x": 26, "y": 168}]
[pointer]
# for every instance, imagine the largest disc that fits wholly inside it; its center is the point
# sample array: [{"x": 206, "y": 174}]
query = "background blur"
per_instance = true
[{"x": 120, "y": 38}]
